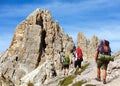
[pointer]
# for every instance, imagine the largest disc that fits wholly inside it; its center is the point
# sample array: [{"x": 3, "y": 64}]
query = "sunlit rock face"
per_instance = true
[{"x": 37, "y": 40}]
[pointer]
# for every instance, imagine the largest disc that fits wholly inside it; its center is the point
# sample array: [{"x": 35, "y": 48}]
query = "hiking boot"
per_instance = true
[
  {"x": 98, "y": 79},
  {"x": 104, "y": 81}
]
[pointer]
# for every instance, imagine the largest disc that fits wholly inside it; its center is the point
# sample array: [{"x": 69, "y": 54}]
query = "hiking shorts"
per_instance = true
[
  {"x": 102, "y": 64},
  {"x": 78, "y": 63},
  {"x": 65, "y": 66}
]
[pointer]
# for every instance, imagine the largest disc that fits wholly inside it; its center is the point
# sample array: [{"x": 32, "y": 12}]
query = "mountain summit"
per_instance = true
[{"x": 38, "y": 42}]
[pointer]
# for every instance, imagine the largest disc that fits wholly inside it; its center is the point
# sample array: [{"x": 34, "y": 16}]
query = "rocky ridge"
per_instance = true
[{"x": 88, "y": 46}]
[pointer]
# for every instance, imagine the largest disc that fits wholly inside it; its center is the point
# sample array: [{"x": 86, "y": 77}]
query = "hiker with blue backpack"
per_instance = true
[{"x": 102, "y": 58}]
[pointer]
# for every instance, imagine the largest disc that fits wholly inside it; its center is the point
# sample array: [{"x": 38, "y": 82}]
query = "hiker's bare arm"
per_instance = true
[{"x": 96, "y": 56}]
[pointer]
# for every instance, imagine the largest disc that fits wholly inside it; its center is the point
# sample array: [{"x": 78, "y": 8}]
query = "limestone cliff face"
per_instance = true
[
  {"x": 36, "y": 40},
  {"x": 88, "y": 46}
]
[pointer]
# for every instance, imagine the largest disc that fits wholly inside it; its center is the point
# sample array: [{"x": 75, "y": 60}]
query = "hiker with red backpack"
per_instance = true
[
  {"x": 79, "y": 58},
  {"x": 102, "y": 58}
]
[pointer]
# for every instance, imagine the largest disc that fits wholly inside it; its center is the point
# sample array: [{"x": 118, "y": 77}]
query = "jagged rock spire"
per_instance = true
[
  {"x": 36, "y": 40},
  {"x": 88, "y": 46}
]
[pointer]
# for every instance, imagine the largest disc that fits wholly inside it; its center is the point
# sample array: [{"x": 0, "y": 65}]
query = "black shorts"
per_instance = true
[
  {"x": 78, "y": 63},
  {"x": 66, "y": 66}
]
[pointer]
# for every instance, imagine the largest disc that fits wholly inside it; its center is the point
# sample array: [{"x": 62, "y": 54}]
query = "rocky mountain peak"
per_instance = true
[{"x": 37, "y": 40}]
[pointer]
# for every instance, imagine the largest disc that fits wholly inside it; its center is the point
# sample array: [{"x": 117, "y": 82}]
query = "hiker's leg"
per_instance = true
[
  {"x": 67, "y": 69},
  {"x": 105, "y": 72},
  {"x": 99, "y": 64},
  {"x": 98, "y": 75},
  {"x": 64, "y": 71},
  {"x": 75, "y": 65},
  {"x": 98, "y": 72},
  {"x": 64, "y": 67},
  {"x": 79, "y": 64},
  {"x": 104, "y": 76},
  {"x": 105, "y": 65}
]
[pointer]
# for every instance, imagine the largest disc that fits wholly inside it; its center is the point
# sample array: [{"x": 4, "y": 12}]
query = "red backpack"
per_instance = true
[{"x": 79, "y": 53}]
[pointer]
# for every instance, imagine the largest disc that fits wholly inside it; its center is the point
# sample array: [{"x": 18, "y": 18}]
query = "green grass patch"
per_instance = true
[
  {"x": 90, "y": 85},
  {"x": 67, "y": 80},
  {"x": 82, "y": 69},
  {"x": 79, "y": 83}
]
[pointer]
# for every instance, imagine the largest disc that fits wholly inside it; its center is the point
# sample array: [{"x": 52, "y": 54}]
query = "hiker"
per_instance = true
[
  {"x": 103, "y": 52},
  {"x": 66, "y": 63},
  {"x": 78, "y": 58}
]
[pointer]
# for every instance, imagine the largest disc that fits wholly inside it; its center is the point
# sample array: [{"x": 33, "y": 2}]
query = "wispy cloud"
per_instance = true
[
  {"x": 110, "y": 33},
  {"x": 59, "y": 8}
]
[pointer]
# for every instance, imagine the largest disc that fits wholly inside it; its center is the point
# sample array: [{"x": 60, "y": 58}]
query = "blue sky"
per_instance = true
[{"x": 92, "y": 17}]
